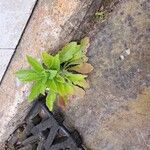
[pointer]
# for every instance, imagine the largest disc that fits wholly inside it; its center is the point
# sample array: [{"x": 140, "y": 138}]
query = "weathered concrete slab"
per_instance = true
[
  {"x": 13, "y": 18},
  {"x": 5, "y": 56},
  {"x": 115, "y": 113}
]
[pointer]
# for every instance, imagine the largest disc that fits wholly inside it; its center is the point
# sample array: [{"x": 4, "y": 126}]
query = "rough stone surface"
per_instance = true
[
  {"x": 42, "y": 33},
  {"x": 115, "y": 113},
  {"x": 5, "y": 56},
  {"x": 13, "y": 17}
]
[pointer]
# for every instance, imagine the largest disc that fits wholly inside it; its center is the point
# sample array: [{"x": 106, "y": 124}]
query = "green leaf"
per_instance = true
[
  {"x": 82, "y": 59},
  {"x": 68, "y": 51},
  {"x": 52, "y": 85},
  {"x": 75, "y": 62},
  {"x": 60, "y": 88},
  {"x": 82, "y": 83},
  {"x": 28, "y": 75},
  {"x": 77, "y": 56},
  {"x": 64, "y": 88},
  {"x": 50, "y": 99},
  {"x": 68, "y": 88},
  {"x": 37, "y": 88},
  {"x": 52, "y": 62},
  {"x": 80, "y": 56},
  {"x": 56, "y": 63},
  {"x": 59, "y": 78},
  {"x": 47, "y": 59},
  {"x": 75, "y": 77},
  {"x": 52, "y": 73},
  {"x": 35, "y": 64}
]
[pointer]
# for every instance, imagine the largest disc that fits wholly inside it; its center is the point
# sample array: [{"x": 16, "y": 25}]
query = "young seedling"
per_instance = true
[
  {"x": 100, "y": 14},
  {"x": 58, "y": 75}
]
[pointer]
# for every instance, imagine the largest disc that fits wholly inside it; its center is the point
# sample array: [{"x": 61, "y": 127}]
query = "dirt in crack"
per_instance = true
[{"x": 95, "y": 17}]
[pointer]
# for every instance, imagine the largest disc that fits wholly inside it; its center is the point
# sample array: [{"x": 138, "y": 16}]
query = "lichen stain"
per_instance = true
[
  {"x": 142, "y": 104},
  {"x": 130, "y": 125},
  {"x": 137, "y": 114}
]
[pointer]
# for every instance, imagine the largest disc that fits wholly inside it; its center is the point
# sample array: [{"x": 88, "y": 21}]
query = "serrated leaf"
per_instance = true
[
  {"x": 68, "y": 88},
  {"x": 47, "y": 59},
  {"x": 77, "y": 56},
  {"x": 56, "y": 63},
  {"x": 52, "y": 73},
  {"x": 61, "y": 88},
  {"x": 80, "y": 56},
  {"x": 28, "y": 75},
  {"x": 43, "y": 87},
  {"x": 34, "y": 64},
  {"x": 83, "y": 68},
  {"x": 75, "y": 62},
  {"x": 52, "y": 85},
  {"x": 68, "y": 51},
  {"x": 75, "y": 77},
  {"x": 59, "y": 78},
  {"x": 82, "y": 83},
  {"x": 37, "y": 88},
  {"x": 50, "y": 99}
]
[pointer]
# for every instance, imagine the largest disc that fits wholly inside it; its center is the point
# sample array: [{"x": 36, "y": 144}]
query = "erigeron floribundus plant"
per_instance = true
[{"x": 58, "y": 75}]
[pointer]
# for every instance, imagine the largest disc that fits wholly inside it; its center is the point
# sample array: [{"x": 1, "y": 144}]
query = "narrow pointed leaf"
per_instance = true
[
  {"x": 56, "y": 63},
  {"x": 28, "y": 75},
  {"x": 68, "y": 88},
  {"x": 50, "y": 99},
  {"x": 60, "y": 88},
  {"x": 52, "y": 73},
  {"x": 52, "y": 85},
  {"x": 47, "y": 59},
  {"x": 59, "y": 78},
  {"x": 68, "y": 51},
  {"x": 84, "y": 84},
  {"x": 37, "y": 88},
  {"x": 34, "y": 64},
  {"x": 75, "y": 62},
  {"x": 77, "y": 56},
  {"x": 75, "y": 77}
]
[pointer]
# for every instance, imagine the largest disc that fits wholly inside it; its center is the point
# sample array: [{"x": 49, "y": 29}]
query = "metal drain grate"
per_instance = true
[{"x": 43, "y": 131}]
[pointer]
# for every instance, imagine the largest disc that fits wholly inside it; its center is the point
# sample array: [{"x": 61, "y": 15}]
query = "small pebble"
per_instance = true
[
  {"x": 128, "y": 51},
  {"x": 121, "y": 57}
]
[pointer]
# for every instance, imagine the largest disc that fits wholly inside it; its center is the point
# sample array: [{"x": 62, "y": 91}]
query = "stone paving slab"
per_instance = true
[
  {"x": 5, "y": 56},
  {"x": 115, "y": 112},
  {"x": 13, "y": 17}
]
